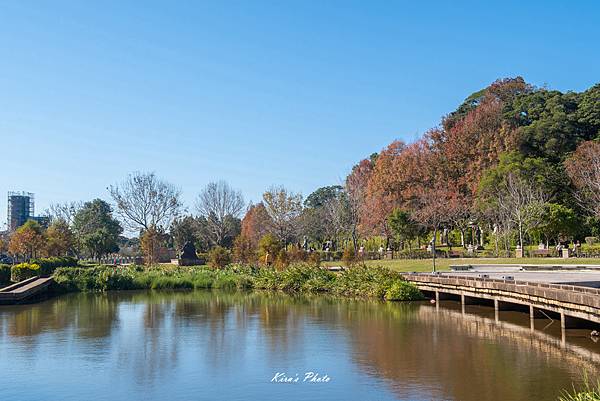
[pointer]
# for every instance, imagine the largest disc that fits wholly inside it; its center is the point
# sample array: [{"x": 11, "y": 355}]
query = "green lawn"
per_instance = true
[{"x": 424, "y": 265}]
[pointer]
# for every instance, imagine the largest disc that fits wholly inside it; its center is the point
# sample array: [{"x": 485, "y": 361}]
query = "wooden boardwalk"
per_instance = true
[
  {"x": 570, "y": 302},
  {"x": 24, "y": 290}
]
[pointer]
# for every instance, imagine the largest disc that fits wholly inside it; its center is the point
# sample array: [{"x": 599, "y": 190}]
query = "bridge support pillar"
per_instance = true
[
  {"x": 531, "y": 317},
  {"x": 496, "y": 311}
]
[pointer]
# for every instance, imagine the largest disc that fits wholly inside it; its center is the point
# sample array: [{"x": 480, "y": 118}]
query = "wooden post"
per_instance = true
[{"x": 496, "y": 311}]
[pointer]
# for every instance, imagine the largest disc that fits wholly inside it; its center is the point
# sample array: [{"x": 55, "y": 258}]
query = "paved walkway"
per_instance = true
[{"x": 588, "y": 277}]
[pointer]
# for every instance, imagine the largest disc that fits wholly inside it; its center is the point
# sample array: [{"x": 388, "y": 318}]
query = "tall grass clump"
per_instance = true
[{"x": 589, "y": 392}]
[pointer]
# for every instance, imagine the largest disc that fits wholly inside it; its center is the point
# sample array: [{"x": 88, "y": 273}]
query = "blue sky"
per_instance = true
[{"x": 256, "y": 93}]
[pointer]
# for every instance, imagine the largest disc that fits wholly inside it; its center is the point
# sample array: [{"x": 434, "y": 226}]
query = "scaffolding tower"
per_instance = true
[{"x": 21, "y": 207}]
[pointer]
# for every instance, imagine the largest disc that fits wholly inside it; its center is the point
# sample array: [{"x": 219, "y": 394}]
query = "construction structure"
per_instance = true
[{"x": 21, "y": 207}]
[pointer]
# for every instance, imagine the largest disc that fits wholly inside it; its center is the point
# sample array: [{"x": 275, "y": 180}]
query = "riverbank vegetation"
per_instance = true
[{"x": 359, "y": 281}]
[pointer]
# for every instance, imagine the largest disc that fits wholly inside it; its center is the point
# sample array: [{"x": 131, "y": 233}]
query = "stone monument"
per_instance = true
[{"x": 188, "y": 256}]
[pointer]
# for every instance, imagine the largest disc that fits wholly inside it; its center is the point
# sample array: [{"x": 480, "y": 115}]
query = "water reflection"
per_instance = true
[{"x": 175, "y": 344}]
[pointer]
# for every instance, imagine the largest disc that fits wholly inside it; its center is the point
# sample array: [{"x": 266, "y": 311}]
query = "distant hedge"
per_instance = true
[
  {"x": 36, "y": 267},
  {"x": 48, "y": 265},
  {"x": 23, "y": 271}
]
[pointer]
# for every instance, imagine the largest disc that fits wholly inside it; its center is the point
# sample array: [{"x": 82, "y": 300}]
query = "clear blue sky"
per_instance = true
[{"x": 256, "y": 93}]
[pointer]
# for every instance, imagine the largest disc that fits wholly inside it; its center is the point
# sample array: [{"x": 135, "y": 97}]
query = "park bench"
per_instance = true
[{"x": 540, "y": 252}]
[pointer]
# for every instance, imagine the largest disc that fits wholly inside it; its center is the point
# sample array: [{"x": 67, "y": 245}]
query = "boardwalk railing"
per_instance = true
[
  {"x": 428, "y": 277},
  {"x": 571, "y": 300}
]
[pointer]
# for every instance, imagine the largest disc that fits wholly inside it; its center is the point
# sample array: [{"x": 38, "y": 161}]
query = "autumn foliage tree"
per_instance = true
[
  {"x": 152, "y": 243},
  {"x": 59, "y": 238},
  {"x": 356, "y": 188},
  {"x": 27, "y": 241},
  {"x": 244, "y": 250},
  {"x": 255, "y": 223}
]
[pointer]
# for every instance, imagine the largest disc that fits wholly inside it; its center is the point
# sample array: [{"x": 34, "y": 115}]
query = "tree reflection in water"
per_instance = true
[{"x": 413, "y": 350}]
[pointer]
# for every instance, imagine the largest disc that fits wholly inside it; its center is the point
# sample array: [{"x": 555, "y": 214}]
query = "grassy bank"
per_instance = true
[
  {"x": 357, "y": 282},
  {"x": 425, "y": 265}
]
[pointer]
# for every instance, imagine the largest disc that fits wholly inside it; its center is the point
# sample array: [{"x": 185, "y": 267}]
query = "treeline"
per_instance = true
[
  {"x": 75, "y": 229},
  {"x": 513, "y": 165}
]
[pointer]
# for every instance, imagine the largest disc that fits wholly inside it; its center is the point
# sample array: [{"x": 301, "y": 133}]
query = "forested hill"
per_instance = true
[{"x": 506, "y": 138}]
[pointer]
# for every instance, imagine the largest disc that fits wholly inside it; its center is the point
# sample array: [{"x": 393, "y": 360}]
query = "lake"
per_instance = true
[{"x": 207, "y": 345}]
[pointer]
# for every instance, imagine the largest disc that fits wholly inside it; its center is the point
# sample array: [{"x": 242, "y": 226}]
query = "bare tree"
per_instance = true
[
  {"x": 355, "y": 190},
  {"x": 500, "y": 224},
  {"x": 336, "y": 216},
  {"x": 460, "y": 216},
  {"x": 284, "y": 208},
  {"x": 522, "y": 202},
  {"x": 221, "y": 206},
  {"x": 63, "y": 211},
  {"x": 583, "y": 167},
  {"x": 145, "y": 201},
  {"x": 434, "y": 206}
]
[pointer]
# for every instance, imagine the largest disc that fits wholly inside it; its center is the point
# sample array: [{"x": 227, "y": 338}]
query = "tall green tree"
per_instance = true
[
  {"x": 184, "y": 230},
  {"x": 404, "y": 228},
  {"x": 559, "y": 223},
  {"x": 96, "y": 230},
  {"x": 320, "y": 196}
]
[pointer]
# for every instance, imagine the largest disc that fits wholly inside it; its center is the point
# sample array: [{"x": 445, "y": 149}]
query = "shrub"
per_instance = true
[
  {"x": 591, "y": 240},
  {"x": 282, "y": 261},
  {"x": 293, "y": 278},
  {"x": 23, "y": 271},
  {"x": 48, "y": 265},
  {"x": 402, "y": 291},
  {"x": 4, "y": 274},
  {"x": 268, "y": 247},
  {"x": 314, "y": 259},
  {"x": 365, "y": 281},
  {"x": 349, "y": 257},
  {"x": 203, "y": 280},
  {"x": 297, "y": 254},
  {"x": 225, "y": 281},
  {"x": 243, "y": 250},
  {"x": 319, "y": 280},
  {"x": 218, "y": 257}
]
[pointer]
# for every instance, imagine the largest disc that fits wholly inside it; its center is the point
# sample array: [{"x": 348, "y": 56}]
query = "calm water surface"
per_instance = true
[{"x": 228, "y": 346}]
